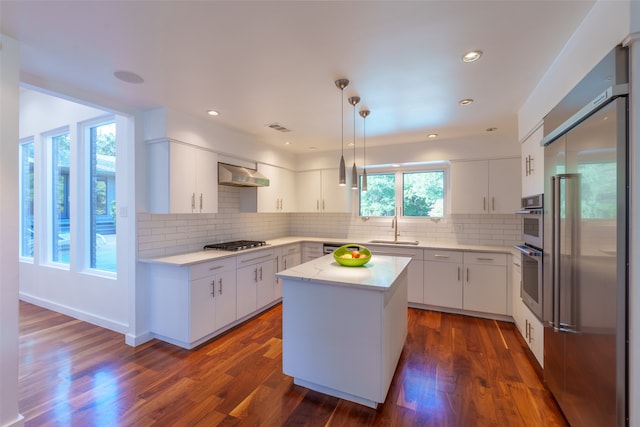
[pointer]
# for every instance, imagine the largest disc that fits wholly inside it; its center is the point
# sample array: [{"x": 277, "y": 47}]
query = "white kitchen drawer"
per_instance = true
[
  {"x": 485, "y": 258},
  {"x": 291, "y": 249},
  {"x": 254, "y": 257},
  {"x": 443, "y": 256},
  {"x": 414, "y": 253},
  {"x": 211, "y": 267}
]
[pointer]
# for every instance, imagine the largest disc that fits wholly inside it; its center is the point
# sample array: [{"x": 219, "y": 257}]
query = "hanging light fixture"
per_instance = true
[
  {"x": 354, "y": 171},
  {"x": 341, "y": 84},
  {"x": 364, "y": 114}
]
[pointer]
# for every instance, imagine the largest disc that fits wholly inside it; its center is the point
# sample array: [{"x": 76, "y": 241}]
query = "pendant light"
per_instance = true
[
  {"x": 364, "y": 114},
  {"x": 341, "y": 84},
  {"x": 354, "y": 171}
]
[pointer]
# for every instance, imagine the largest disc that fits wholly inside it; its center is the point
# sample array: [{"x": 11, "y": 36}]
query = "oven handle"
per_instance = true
[{"x": 528, "y": 251}]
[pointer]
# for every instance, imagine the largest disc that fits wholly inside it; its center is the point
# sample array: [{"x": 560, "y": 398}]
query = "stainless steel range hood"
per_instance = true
[{"x": 240, "y": 177}]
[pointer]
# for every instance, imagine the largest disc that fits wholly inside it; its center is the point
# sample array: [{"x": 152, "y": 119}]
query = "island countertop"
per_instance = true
[{"x": 379, "y": 273}]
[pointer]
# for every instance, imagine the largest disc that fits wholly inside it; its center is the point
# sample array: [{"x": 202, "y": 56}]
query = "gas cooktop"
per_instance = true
[{"x": 236, "y": 245}]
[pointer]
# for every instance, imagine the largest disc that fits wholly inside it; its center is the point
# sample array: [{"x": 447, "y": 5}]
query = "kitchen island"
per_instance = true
[{"x": 343, "y": 328}]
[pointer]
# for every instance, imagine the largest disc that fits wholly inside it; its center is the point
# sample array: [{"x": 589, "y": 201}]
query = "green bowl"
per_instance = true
[{"x": 352, "y": 262}]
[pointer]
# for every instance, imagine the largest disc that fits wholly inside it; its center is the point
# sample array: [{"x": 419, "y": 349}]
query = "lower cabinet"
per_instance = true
[
  {"x": 415, "y": 289},
  {"x": 189, "y": 305},
  {"x": 471, "y": 281},
  {"x": 311, "y": 251},
  {"x": 530, "y": 327},
  {"x": 255, "y": 281},
  {"x": 285, "y": 257}
]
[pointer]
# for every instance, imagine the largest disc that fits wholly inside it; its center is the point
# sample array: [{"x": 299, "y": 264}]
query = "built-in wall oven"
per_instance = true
[{"x": 531, "y": 250}]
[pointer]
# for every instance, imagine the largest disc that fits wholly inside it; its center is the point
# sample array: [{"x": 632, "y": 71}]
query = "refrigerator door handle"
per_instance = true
[{"x": 555, "y": 252}]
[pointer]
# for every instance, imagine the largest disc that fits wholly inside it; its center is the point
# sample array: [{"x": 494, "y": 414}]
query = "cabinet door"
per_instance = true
[
  {"x": 265, "y": 285},
  {"x": 443, "y": 284},
  {"x": 182, "y": 178},
  {"x": 288, "y": 196},
  {"x": 504, "y": 186},
  {"x": 269, "y": 198},
  {"x": 469, "y": 187},
  {"x": 485, "y": 289},
  {"x": 202, "y": 308},
  {"x": 308, "y": 191},
  {"x": 225, "y": 296},
  {"x": 246, "y": 291},
  {"x": 533, "y": 164},
  {"x": 335, "y": 198},
  {"x": 206, "y": 181}
]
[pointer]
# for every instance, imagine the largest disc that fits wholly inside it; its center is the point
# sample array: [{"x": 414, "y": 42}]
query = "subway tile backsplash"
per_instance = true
[{"x": 160, "y": 235}]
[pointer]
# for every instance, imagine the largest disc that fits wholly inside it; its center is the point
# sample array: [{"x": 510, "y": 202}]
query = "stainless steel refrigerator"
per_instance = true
[{"x": 585, "y": 274}]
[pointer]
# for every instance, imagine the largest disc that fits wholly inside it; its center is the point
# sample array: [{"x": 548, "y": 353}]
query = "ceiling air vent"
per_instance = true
[{"x": 278, "y": 127}]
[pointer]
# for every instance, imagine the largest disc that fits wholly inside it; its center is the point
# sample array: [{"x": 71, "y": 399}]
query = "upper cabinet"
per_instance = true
[
  {"x": 280, "y": 195},
  {"x": 533, "y": 163},
  {"x": 485, "y": 186},
  {"x": 318, "y": 191},
  {"x": 183, "y": 178}
]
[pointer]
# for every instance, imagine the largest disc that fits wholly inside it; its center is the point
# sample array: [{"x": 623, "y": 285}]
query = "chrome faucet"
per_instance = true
[{"x": 394, "y": 225}]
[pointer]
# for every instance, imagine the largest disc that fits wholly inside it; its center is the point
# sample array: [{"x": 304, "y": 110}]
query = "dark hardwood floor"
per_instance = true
[{"x": 454, "y": 371}]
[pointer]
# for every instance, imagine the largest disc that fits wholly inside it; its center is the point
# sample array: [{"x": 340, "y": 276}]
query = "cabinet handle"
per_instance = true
[
  {"x": 526, "y": 166},
  {"x": 516, "y": 264},
  {"x": 458, "y": 274},
  {"x": 484, "y": 203},
  {"x": 193, "y": 201},
  {"x": 526, "y": 329},
  {"x": 255, "y": 275},
  {"x": 467, "y": 274},
  {"x": 285, "y": 263},
  {"x": 200, "y": 202},
  {"x": 220, "y": 283},
  {"x": 323, "y": 204},
  {"x": 530, "y": 164},
  {"x": 317, "y": 205},
  {"x": 441, "y": 256},
  {"x": 484, "y": 259},
  {"x": 493, "y": 203},
  {"x": 260, "y": 273},
  {"x": 216, "y": 267},
  {"x": 213, "y": 288}
]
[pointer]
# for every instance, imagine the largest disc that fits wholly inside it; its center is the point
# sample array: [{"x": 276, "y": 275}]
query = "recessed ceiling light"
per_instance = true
[
  {"x": 287, "y": 143},
  {"x": 212, "y": 112},
  {"x": 472, "y": 56},
  {"x": 432, "y": 135},
  {"x": 466, "y": 101},
  {"x": 128, "y": 77},
  {"x": 492, "y": 129}
]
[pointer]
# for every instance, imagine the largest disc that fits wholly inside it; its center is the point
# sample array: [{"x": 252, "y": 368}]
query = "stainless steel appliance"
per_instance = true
[
  {"x": 236, "y": 245},
  {"x": 531, "y": 250},
  {"x": 585, "y": 247}
]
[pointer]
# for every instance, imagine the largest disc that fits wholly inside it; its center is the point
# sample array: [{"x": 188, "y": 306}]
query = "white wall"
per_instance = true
[
  {"x": 609, "y": 23},
  {"x": 83, "y": 295},
  {"x": 9, "y": 80}
]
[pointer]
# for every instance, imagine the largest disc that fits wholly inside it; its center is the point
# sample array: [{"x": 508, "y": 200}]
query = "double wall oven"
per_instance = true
[{"x": 531, "y": 249}]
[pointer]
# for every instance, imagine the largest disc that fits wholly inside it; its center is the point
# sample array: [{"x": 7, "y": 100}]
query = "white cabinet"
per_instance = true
[
  {"x": 280, "y": 195},
  {"x": 318, "y": 191},
  {"x": 485, "y": 186},
  {"x": 212, "y": 297},
  {"x": 470, "y": 281},
  {"x": 311, "y": 250},
  {"x": 182, "y": 178},
  {"x": 285, "y": 257},
  {"x": 189, "y": 305},
  {"x": 485, "y": 283},
  {"x": 527, "y": 323},
  {"x": 415, "y": 289},
  {"x": 533, "y": 163},
  {"x": 255, "y": 281},
  {"x": 443, "y": 278}
]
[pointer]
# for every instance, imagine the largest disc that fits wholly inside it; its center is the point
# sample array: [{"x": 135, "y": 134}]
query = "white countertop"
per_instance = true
[
  {"x": 379, "y": 273},
  {"x": 196, "y": 257}
]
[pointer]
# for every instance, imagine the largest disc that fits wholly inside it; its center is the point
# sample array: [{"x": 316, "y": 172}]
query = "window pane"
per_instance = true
[
  {"x": 423, "y": 194},
  {"x": 103, "y": 197},
  {"x": 60, "y": 235},
  {"x": 26, "y": 199},
  {"x": 379, "y": 199}
]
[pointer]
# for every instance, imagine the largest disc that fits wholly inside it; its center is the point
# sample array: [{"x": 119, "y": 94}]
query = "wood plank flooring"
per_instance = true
[{"x": 454, "y": 371}]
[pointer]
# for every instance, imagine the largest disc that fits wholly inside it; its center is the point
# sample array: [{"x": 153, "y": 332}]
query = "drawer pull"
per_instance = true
[
  {"x": 441, "y": 256},
  {"x": 484, "y": 259},
  {"x": 458, "y": 274},
  {"x": 516, "y": 264},
  {"x": 216, "y": 267},
  {"x": 220, "y": 283}
]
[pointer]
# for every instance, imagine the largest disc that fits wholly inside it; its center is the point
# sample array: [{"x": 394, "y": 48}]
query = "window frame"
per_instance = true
[{"x": 399, "y": 172}]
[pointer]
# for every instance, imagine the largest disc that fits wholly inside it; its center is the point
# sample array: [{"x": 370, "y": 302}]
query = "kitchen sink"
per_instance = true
[{"x": 396, "y": 242}]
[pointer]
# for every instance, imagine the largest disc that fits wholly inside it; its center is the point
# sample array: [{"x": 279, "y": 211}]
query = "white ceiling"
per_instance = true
[{"x": 260, "y": 62}]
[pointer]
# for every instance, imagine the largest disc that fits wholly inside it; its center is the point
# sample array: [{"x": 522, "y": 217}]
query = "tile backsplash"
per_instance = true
[{"x": 169, "y": 234}]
